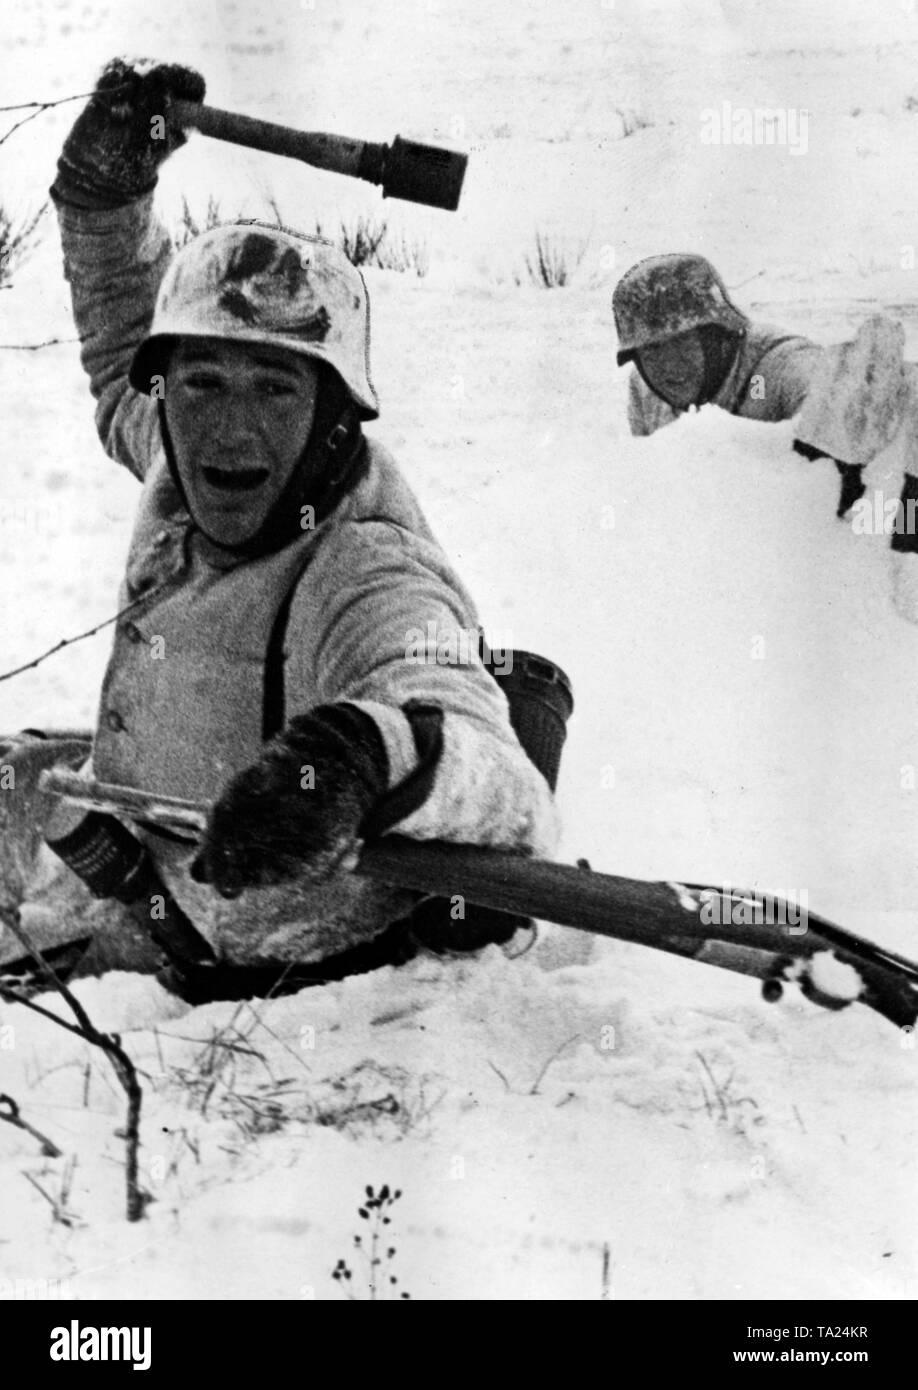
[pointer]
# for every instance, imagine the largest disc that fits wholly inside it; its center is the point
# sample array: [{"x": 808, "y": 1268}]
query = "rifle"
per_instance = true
[{"x": 757, "y": 934}]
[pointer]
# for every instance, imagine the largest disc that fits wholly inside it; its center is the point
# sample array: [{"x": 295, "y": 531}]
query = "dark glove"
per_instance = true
[
  {"x": 905, "y": 534},
  {"x": 853, "y": 486},
  {"x": 113, "y": 153},
  {"x": 297, "y": 811}
]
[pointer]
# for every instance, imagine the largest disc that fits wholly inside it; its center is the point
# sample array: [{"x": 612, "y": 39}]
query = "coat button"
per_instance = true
[
  {"x": 132, "y": 632},
  {"x": 114, "y": 721}
]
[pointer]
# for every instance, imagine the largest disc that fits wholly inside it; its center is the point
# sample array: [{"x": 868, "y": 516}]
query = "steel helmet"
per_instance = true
[
  {"x": 253, "y": 283},
  {"x": 663, "y": 296}
]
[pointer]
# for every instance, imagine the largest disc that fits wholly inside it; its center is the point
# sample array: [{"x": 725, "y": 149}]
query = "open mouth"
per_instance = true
[{"x": 236, "y": 479}]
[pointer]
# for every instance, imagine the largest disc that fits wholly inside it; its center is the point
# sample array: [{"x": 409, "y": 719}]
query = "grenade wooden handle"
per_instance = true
[{"x": 405, "y": 169}]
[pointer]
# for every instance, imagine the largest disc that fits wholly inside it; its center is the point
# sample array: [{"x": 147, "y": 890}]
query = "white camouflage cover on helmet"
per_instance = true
[
  {"x": 664, "y": 296},
  {"x": 251, "y": 283}
]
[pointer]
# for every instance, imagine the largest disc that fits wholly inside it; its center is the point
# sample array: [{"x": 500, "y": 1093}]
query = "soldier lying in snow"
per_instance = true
[
  {"x": 277, "y": 565},
  {"x": 691, "y": 346}
]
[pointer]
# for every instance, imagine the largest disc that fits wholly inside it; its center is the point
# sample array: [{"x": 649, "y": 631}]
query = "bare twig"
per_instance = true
[
  {"x": 109, "y": 1043},
  {"x": 718, "y": 1090},
  {"x": 13, "y": 1117},
  {"x": 35, "y": 347},
  {"x": 80, "y": 636},
  {"x": 46, "y": 105},
  {"x": 554, "y": 263},
  {"x": 19, "y": 124},
  {"x": 192, "y": 224},
  {"x": 748, "y": 280},
  {"x": 11, "y": 996},
  {"x": 17, "y": 237},
  {"x": 499, "y": 1073},
  {"x": 729, "y": 1105},
  {"x": 277, "y": 1038},
  {"x": 59, "y": 1204},
  {"x": 37, "y": 108},
  {"x": 534, "y": 1088},
  {"x": 361, "y": 240}
]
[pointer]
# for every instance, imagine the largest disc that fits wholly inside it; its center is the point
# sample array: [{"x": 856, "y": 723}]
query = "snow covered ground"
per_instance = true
[{"x": 747, "y": 694}]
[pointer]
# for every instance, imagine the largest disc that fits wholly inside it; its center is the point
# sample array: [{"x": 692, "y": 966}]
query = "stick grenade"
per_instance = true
[{"x": 418, "y": 173}]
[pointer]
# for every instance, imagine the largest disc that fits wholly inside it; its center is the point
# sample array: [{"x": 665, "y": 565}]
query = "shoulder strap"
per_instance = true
[
  {"x": 274, "y": 695},
  {"x": 273, "y": 709}
]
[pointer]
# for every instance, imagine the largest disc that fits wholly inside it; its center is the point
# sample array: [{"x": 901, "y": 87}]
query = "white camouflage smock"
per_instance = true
[{"x": 182, "y": 699}]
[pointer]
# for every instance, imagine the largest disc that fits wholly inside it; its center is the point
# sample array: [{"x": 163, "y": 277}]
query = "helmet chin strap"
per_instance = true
[
  {"x": 332, "y": 462},
  {"x": 719, "y": 346}
]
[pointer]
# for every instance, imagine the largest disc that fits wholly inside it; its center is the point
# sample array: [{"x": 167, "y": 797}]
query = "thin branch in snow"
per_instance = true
[
  {"x": 718, "y": 1090},
  {"x": 534, "y": 1088},
  {"x": 59, "y": 1204},
  {"x": 499, "y": 1073},
  {"x": 17, "y": 239},
  {"x": 606, "y": 1269},
  {"x": 11, "y": 996},
  {"x": 12, "y": 1116},
  {"x": 110, "y": 1044},
  {"x": 282, "y": 1041}
]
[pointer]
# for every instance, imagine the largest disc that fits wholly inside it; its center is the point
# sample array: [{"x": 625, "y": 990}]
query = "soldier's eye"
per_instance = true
[
  {"x": 203, "y": 382},
  {"x": 278, "y": 388}
]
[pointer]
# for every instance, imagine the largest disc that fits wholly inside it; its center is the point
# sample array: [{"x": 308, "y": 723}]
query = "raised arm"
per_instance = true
[
  {"x": 114, "y": 262},
  {"x": 115, "y": 250}
]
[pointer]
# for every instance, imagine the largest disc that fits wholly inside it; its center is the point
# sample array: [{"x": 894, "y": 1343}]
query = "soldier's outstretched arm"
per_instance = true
[
  {"x": 115, "y": 249},
  {"x": 399, "y": 722},
  {"x": 398, "y": 627},
  {"x": 856, "y": 397}
]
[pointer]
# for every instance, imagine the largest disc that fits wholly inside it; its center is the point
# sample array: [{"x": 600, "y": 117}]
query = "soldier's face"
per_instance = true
[
  {"x": 675, "y": 369},
  {"x": 239, "y": 416}
]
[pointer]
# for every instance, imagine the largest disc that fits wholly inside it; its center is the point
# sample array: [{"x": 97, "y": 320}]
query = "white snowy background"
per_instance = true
[{"x": 747, "y": 693}]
